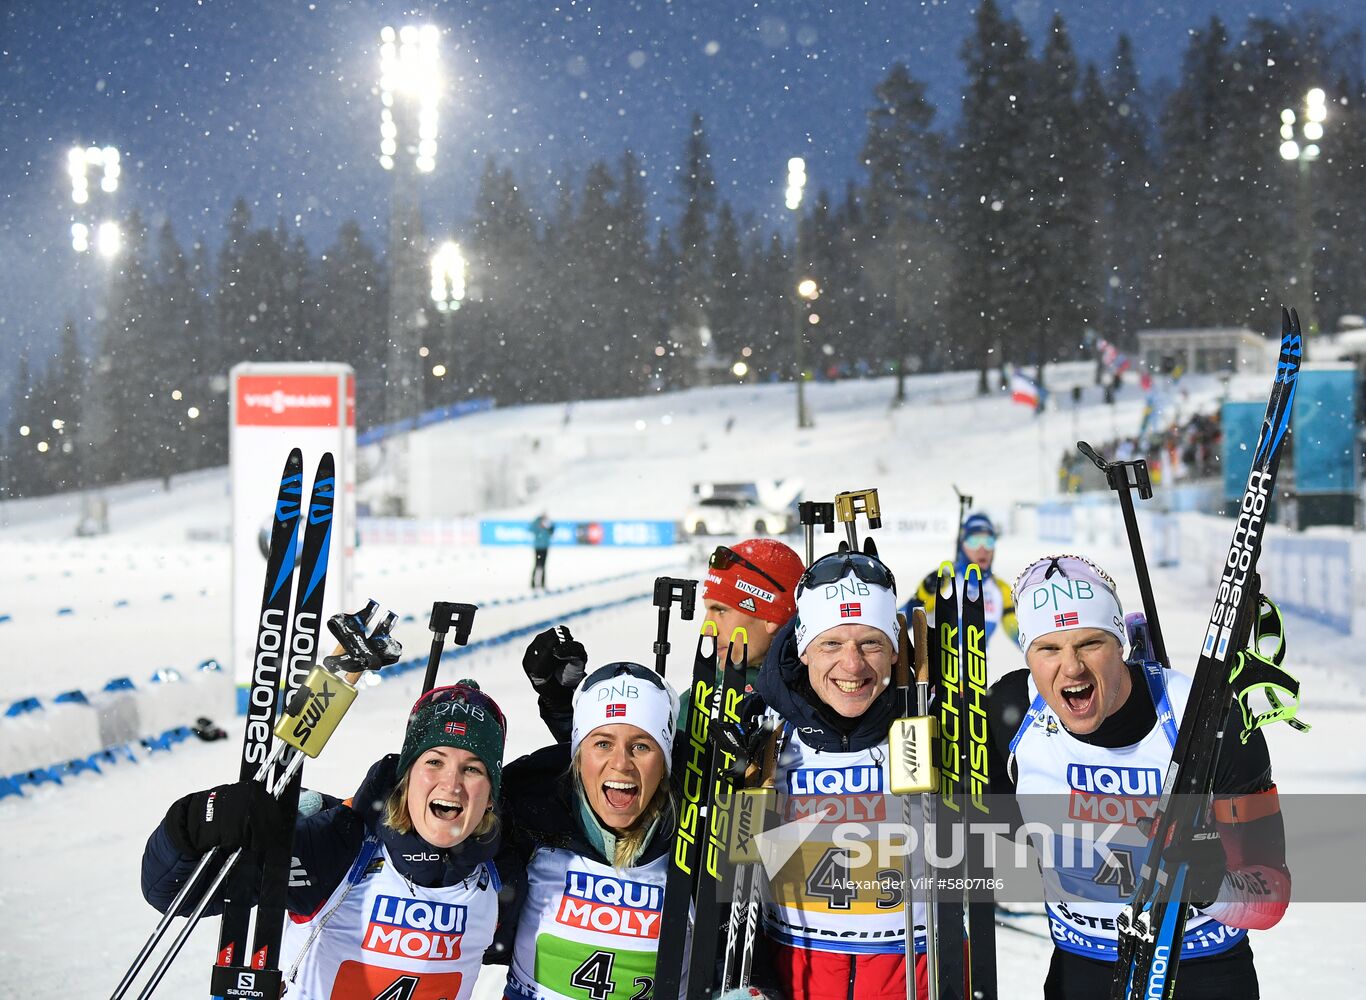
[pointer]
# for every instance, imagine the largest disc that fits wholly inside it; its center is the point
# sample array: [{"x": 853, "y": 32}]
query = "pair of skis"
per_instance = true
[
  {"x": 698, "y": 873},
  {"x": 293, "y": 708},
  {"x": 1152, "y": 924},
  {"x": 944, "y": 760},
  {"x": 961, "y": 950}
]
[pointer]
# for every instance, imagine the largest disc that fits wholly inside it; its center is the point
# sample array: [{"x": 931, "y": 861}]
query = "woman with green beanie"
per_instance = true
[{"x": 393, "y": 889}]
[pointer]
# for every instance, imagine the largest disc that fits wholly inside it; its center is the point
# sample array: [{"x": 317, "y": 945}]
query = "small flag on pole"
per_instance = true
[{"x": 1024, "y": 389}]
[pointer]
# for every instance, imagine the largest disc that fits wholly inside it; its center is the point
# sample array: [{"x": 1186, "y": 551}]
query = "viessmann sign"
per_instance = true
[{"x": 288, "y": 401}]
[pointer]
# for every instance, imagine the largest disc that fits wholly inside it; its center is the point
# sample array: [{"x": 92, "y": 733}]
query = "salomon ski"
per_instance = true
[{"x": 1152, "y": 924}]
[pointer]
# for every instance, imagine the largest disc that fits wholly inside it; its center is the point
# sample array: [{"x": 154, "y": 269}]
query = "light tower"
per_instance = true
[
  {"x": 1311, "y": 131},
  {"x": 409, "y": 87},
  {"x": 796, "y": 181}
]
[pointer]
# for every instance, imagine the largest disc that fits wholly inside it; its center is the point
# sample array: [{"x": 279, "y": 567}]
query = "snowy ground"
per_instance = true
[{"x": 71, "y": 915}]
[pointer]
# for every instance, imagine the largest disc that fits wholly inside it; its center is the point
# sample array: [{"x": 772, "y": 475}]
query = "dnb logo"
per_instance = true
[
  {"x": 836, "y": 794},
  {"x": 1121, "y": 795},
  {"x": 611, "y": 905},
  {"x": 419, "y": 929}
]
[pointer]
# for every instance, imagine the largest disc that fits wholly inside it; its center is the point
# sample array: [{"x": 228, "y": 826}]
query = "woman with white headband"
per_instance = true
[
  {"x": 590, "y": 826},
  {"x": 1083, "y": 728}
]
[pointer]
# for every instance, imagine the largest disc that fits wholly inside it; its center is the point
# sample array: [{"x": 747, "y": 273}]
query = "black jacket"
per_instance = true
[{"x": 325, "y": 845}]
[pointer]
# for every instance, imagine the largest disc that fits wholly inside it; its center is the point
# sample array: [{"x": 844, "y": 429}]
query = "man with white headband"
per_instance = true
[
  {"x": 833, "y": 923},
  {"x": 1081, "y": 733}
]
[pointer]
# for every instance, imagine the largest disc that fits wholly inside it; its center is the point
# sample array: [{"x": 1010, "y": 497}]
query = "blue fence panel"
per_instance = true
[{"x": 1311, "y": 577}]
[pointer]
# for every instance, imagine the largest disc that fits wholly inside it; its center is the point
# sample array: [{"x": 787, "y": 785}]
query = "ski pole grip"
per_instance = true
[
  {"x": 813, "y": 513},
  {"x": 670, "y": 590}
]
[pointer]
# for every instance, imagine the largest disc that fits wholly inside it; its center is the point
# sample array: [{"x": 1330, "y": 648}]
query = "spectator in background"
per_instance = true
[{"x": 541, "y": 531}]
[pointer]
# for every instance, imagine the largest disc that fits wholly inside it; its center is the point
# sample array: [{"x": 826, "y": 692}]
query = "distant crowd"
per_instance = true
[{"x": 1183, "y": 451}]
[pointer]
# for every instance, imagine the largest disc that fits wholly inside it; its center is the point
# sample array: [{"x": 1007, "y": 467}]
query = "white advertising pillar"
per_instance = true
[{"x": 275, "y": 408}]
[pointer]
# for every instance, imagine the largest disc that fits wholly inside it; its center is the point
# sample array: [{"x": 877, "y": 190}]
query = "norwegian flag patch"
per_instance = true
[
  {"x": 1064, "y": 620},
  {"x": 852, "y": 610},
  {"x": 616, "y": 711},
  {"x": 455, "y": 729}
]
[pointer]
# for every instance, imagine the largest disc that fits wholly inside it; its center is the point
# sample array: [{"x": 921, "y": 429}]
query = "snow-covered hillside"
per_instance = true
[{"x": 147, "y": 596}]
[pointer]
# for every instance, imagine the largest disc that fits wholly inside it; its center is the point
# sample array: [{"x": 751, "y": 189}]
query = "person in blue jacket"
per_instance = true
[
  {"x": 394, "y": 888},
  {"x": 542, "y": 530}
]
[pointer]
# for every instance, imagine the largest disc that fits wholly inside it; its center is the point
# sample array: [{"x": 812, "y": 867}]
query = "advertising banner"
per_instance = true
[
  {"x": 275, "y": 408},
  {"x": 631, "y": 533},
  {"x": 1325, "y": 430}
]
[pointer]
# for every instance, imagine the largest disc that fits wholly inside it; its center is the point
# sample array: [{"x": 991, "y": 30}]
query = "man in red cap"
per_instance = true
[{"x": 751, "y": 585}]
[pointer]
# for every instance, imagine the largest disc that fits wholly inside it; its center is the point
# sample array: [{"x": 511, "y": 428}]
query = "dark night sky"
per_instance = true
[{"x": 209, "y": 99}]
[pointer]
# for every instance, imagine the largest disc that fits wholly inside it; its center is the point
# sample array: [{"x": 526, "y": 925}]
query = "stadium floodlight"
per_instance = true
[
  {"x": 107, "y": 239},
  {"x": 84, "y": 164},
  {"x": 796, "y": 181},
  {"x": 1303, "y": 151},
  {"x": 409, "y": 71},
  {"x": 448, "y": 277}
]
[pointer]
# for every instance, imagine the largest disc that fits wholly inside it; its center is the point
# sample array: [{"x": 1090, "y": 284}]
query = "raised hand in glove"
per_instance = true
[
  {"x": 242, "y": 814},
  {"x": 555, "y": 662}
]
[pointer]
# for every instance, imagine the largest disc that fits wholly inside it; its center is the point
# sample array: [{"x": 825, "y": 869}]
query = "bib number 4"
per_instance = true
[{"x": 594, "y": 977}]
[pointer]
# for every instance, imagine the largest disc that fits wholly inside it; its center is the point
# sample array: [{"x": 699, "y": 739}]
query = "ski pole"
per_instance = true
[
  {"x": 277, "y": 751},
  {"x": 310, "y": 718},
  {"x": 911, "y": 768},
  {"x": 159, "y": 973},
  {"x": 812, "y": 513},
  {"x": 1123, "y": 478},
  {"x": 446, "y": 616},
  {"x": 850, "y": 504},
  {"x": 668, "y": 590}
]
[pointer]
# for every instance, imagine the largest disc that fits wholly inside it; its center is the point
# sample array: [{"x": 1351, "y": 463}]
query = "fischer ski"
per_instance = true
[
  {"x": 681, "y": 876},
  {"x": 976, "y": 755},
  {"x": 714, "y": 873},
  {"x": 946, "y": 664},
  {"x": 1152, "y": 923}
]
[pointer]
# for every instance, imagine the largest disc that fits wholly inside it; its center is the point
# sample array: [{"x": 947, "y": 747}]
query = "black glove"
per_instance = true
[
  {"x": 242, "y": 814},
  {"x": 744, "y": 745},
  {"x": 1205, "y": 861},
  {"x": 1206, "y": 866},
  {"x": 555, "y": 662}
]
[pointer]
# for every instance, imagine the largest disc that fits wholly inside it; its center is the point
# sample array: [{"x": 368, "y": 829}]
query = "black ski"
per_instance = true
[
  {"x": 272, "y": 625},
  {"x": 1152, "y": 924},
  {"x": 976, "y": 755},
  {"x": 303, "y": 653},
  {"x": 714, "y": 871},
  {"x": 681, "y": 876},
  {"x": 948, "y": 842}
]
